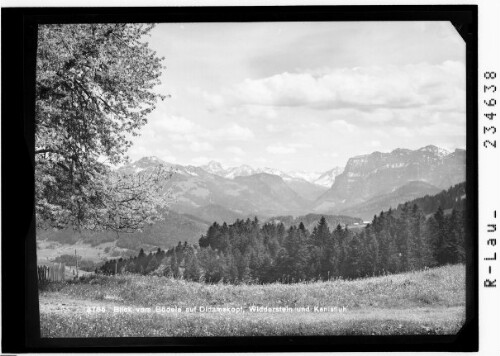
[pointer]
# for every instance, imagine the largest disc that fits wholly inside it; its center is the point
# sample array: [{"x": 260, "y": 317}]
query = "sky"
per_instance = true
[{"x": 304, "y": 96}]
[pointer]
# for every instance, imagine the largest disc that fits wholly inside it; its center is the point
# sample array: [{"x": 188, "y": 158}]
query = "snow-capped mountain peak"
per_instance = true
[
  {"x": 244, "y": 170},
  {"x": 320, "y": 178},
  {"x": 307, "y": 176},
  {"x": 214, "y": 167},
  {"x": 327, "y": 178},
  {"x": 440, "y": 152}
]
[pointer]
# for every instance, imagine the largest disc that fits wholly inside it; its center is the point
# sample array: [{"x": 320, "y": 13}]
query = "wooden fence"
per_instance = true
[{"x": 52, "y": 273}]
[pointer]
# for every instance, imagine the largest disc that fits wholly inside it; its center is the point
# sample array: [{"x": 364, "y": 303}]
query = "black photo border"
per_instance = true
[{"x": 20, "y": 309}]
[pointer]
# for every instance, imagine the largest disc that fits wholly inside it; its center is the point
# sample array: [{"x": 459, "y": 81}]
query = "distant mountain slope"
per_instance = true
[
  {"x": 167, "y": 233},
  {"x": 271, "y": 194},
  {"x": 175, "y": 227},
  {"x": 307, "y": 191},
  {"x": 375, "y": 205},
  {"x": 375, "y": 174}
]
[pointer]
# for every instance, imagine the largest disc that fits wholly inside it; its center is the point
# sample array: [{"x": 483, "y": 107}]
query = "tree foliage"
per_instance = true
[{"x": 94, "y": 90}]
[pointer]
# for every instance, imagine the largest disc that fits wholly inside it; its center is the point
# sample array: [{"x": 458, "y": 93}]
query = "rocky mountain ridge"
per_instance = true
[{"x": 371, "y": 175}]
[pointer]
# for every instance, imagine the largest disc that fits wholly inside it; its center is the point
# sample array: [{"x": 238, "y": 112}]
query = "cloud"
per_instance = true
[
  {"x": 214, "y": 101},
  {"x": 235, "y": 150},
  {"x": 233, "y": 132},
  {"x": 261, "y": 111},
  {"x": 310, "y": 125},
  {"x": 175, "y": 124},
  {"x": 199, "y": 161},
  {"x": 342, "y": 125},
  {"x": 280, "y": 149},
  {"x": 301, "y": 145},
  {"x": 271, "y": 128},
  {"x": 441, "y": 86},
  {"x": 187, "y": 135},
  {"x": 261, "y": 160},
  {"x": 236, "y": 160},
  {"x": 402, "y": 132},
  {"x": 197, "y": 146}
]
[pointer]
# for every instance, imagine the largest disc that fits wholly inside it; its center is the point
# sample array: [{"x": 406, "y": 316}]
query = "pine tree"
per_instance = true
[
  {"x": 393, "y": 257},
  {"x": 174, "y": 266},
  {"x": 453, "y": 251},
  {"x": 404, "y": 238},
  {"x": 232, "y": 269},
  {"x": 337, "y": 256},
  {"x": 281, "y": 233},
  {"x": 265, "y": 272},
  {"x": 152, "y": 265},
  {"x": 437, "y": 230},
  {"x": 322, "y": 233},
  {"x": 354, "y": 262},
  {"x": 166, "y": 270},
  {"x": 343, "y": 252},
  {"x": 372, "y": 254},
  {"x": 282, "y": 266},
  {"x": 243, "y": 264},
  {"x": 192, "y": 271},
  {"x": 302, "y": 254},
  {"x": 461, "y": 231},
  {"x": 321, "y": 238}
]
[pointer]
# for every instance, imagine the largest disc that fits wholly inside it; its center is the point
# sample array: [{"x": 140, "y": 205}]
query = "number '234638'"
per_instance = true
[{"x": 490, "y": 89}]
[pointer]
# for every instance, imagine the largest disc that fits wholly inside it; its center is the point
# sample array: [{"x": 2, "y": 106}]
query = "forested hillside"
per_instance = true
[
  {"x": 452, "y": 198},
  {"x": 244, "y": 252}
]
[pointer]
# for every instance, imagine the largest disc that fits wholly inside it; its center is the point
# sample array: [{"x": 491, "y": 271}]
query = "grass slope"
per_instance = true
[{"x": 425, "y": 302}]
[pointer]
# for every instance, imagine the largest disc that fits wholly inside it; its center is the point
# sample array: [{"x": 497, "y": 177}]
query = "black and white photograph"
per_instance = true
[{"x": 205, "y": 179}]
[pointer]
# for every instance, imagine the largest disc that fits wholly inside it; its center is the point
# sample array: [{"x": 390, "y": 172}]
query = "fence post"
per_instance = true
[{"x": 76, "y": 258}]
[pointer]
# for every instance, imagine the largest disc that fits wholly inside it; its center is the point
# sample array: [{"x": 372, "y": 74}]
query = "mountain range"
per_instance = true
[
  {"x": 368, "y": 184},
  {"x": 324, "y": 179},
  {"x": 243, "y": 190}
]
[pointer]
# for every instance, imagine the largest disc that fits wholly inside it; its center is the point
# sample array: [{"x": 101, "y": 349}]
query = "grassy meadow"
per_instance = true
[{"x": 423, "y": 302}]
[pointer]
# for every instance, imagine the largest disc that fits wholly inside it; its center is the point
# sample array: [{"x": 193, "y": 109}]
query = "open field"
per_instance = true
[
  {"x": 425, "y": 302},
  {"x": 49, "y": 250}
]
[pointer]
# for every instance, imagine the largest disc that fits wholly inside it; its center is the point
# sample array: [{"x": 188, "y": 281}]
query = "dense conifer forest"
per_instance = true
[{"x": 425, "y": 232}]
